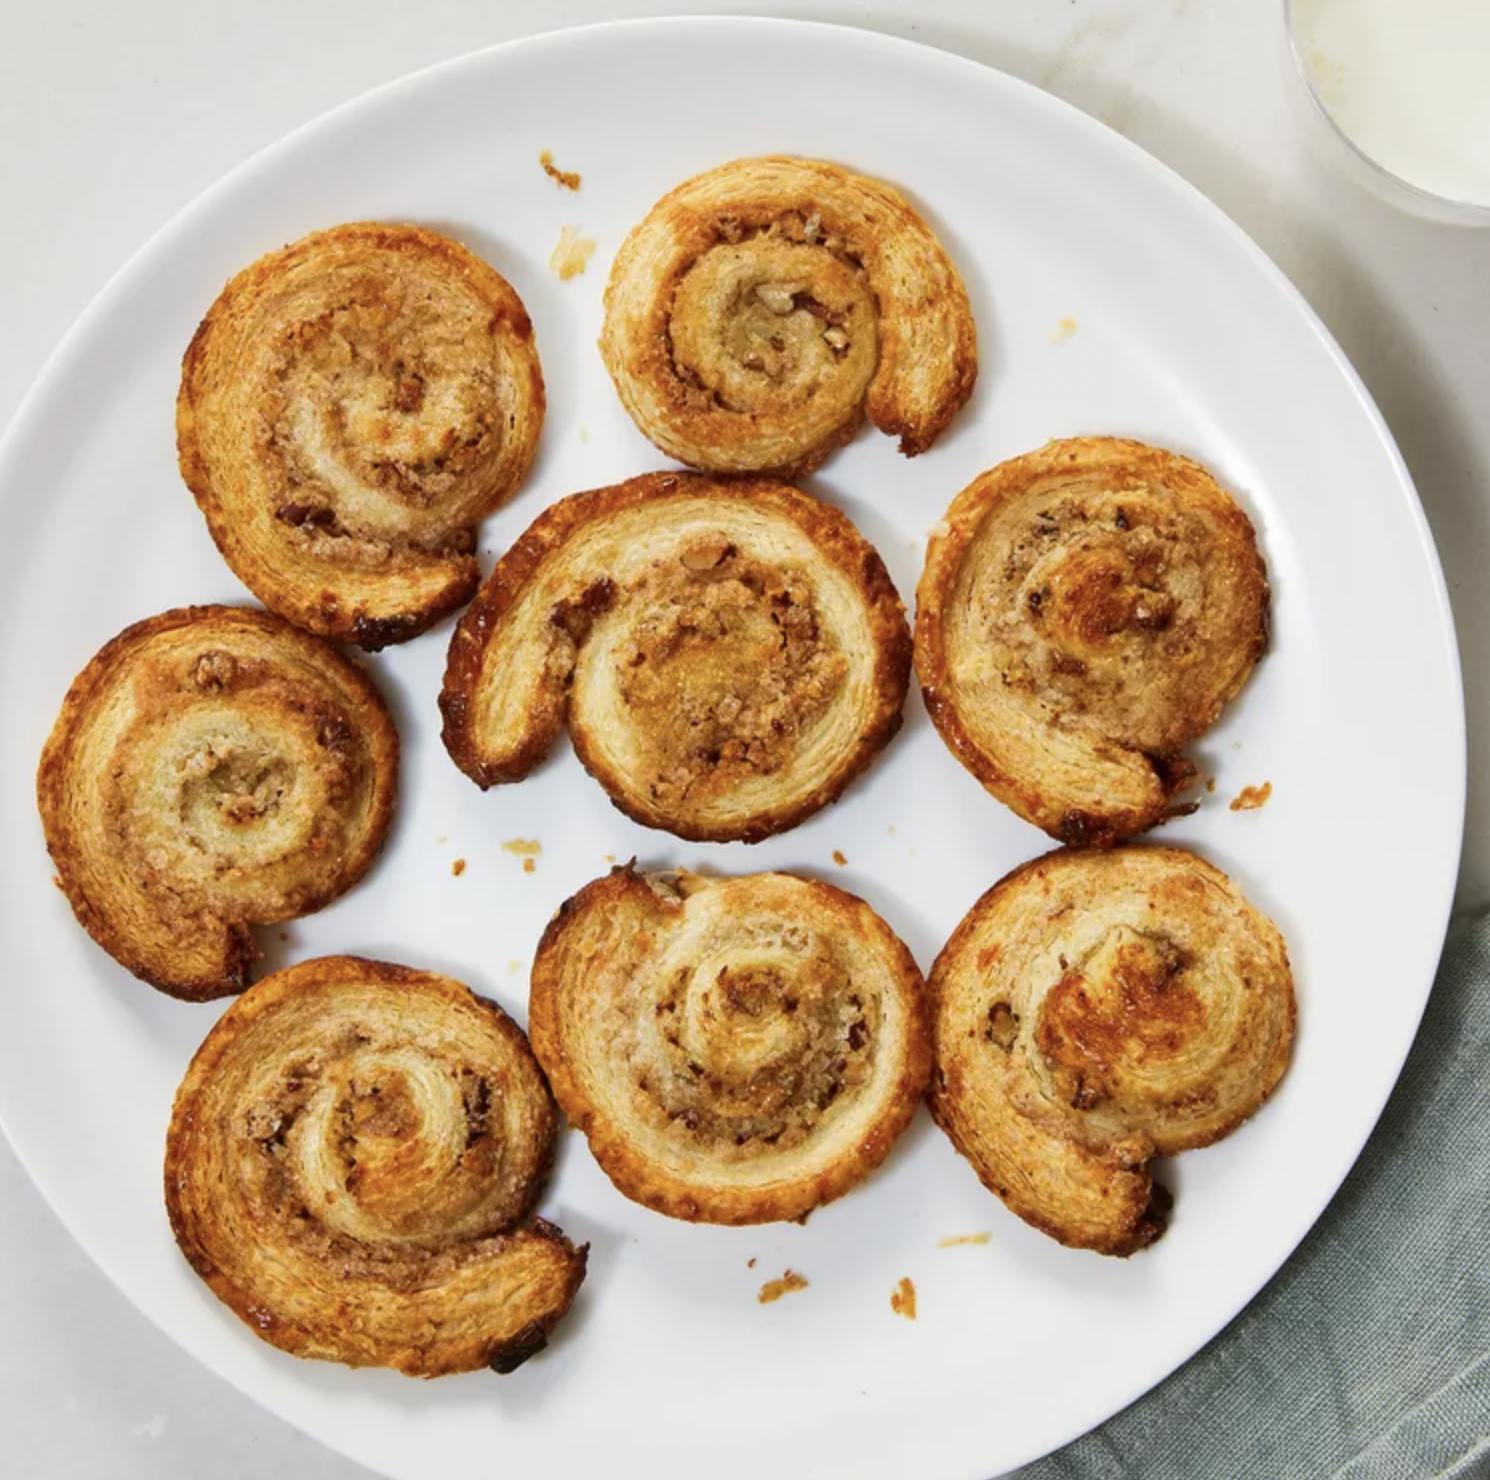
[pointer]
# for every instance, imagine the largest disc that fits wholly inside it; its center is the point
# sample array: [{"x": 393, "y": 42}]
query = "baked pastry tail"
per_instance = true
[
  {"x": 736, "y": 1050},
  {"x": 1095, "y": 1010},
  {"x": 1084, "y": 614},
  {"x": 352, "y": 1164},
  {"x": 763, "y": 308},
  {"x": 350, "y": 409},
  {"x": 212, "y": 768},
  {"x": 728, "y": 654}
]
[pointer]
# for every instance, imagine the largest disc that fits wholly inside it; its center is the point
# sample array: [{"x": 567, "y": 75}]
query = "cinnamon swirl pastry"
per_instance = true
[
  {"x": 1094, "y": 1010},
  {"x": 761, "y": 309},
  {"x": 729, "y": 655},
  {"x": 1084, "y": 614},
  {"x": 352, "y": 1164},
  {"x": 212, "y": 768},
  {"x": 736, "y": 1050},
  {"x": 350, "y": 409}
]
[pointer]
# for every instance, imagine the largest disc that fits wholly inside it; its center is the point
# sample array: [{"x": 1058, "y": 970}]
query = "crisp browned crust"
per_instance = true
[
  {"x": 1096, "y": 1009},
  {"x": 352, "y": 1164},
  {"x": 763, "y": 308},
  {"x": 728, "y": 654},
  {"x": 736, "y": 1050},
  {"x": 212, "y": 768},
  {"x": 1085, "y": 613},
  {"x": 350, "y": 408}
]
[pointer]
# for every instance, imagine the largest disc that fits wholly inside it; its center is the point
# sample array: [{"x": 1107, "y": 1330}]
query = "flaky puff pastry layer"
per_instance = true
[
  {"x": 350, "y": 409},
  {"x": 736, "y": 1050},
  {"x": 1085, "y": 612},
  {"x": 1096, "y": 1009},
  {"x": 352, "y": 1164},
  {"x": 728, "y": 654},
  {"x": 212, "y": 768},
  {"x": 763, "y": 308}
]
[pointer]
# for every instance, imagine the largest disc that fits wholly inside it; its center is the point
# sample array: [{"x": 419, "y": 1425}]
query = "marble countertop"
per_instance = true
[{"x": 113, "y": 116}]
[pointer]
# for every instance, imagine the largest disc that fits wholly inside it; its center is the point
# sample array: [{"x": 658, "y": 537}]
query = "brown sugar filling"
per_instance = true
[{"x": 726, "y": 673}]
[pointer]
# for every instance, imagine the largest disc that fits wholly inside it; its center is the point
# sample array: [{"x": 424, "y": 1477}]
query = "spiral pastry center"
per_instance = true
[
  {"x": 769, "y": 324},
  {"x": 391, "y": 1145},
  {"x": 383, "y": 410},
  {"x": 725, "y": 672},
  {"x": 755, "y": 1048}
]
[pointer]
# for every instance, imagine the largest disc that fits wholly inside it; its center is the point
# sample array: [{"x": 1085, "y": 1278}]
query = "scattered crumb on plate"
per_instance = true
[
  {"x": 567, "y": 178},
  {"x": 775, "y": 1289},
  {"x": 750, "y": 1264},
  {"x": 609, "y": 857},
  {"x": 529, "y": 864},
  {"x": 458, "y": 867},
  {"x": 1063, "y": 331},
  {"x": 514, "y": 964},
  {"x": 442, "y": 839},
  {"x": 1251, "y": 798},
  {"x": 890, "y": 831},
  {"x": 572, "y": 255},
  {"x": 523, "y": 847},
  {"x": 903, "y": 1299},
  {"x": 839, "y": 859},
  {"x": 964, "y": 1238},
  {"x": 1210, "y": 783}
]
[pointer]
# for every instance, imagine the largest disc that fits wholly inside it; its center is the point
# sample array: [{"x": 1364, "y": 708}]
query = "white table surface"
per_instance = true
[{"x": 115, "y": 113}]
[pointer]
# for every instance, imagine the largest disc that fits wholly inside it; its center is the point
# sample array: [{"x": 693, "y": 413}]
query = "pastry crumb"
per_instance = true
[
  {"x": 750, "y": 1264},
  {"x": 442, "y": 839},
  {"x": 903, "y": 1299},
  {"x": 567, "y": 178},
  {"x": 957, "y": 1239},
  {"x": 514, "y": 964},
  {"x": 1063, "y": 331},
  {"x": 1210, "y": 783},
  {"x": 572, "y": 255},
  {"x": 775, "y": 1289},
  {"x": 1250, "y": 798},
  {"x": 839, "y": 859},
  {"x": 609, "y": 857},
  {"x": 458, "y": 867},
  {"x": 529, "y": 864},
  {"x": 523, "y": 847}
]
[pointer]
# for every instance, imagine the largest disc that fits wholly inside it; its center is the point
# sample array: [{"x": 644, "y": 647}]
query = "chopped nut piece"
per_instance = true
[
  {"x": 775, "y": 1289},
  {"x": 903, "y": 1299},
  {"x": 567, "y": 178},
  {"x": 780, "y": 300},
  {"x": 1252, "y": 797}
]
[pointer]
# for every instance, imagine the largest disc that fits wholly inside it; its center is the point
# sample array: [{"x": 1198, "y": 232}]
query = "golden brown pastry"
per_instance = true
[
  {"x": 212, "y": 768},
  {"x": 352, "y": 1164},
  {"x": 350, "y": 409},
  {"x": 761, "y": 309},
  {"x": 728, "y": 655},
  {"x": 1085, "y": 612},
  {"x": 1096, "y": 1009},
  {"x": 736, "y": 1050}
]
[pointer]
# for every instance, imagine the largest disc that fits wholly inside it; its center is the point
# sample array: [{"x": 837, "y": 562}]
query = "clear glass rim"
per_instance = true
[{"x": 1472, "y": 211}]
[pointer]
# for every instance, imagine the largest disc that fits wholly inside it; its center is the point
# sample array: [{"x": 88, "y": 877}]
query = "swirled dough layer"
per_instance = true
[
  {"x": 1096, "y": 1009},
  {"x": 352, "y": 1165},
  {"x": 763, "y": 308},
  {"x": 736, "y": 1050},
  {"x": 212, "y": 768},
  {"x": 1084, "y": 614},
  {"x": 728, "y": 654},
  {"x": 350, "y": 409}
]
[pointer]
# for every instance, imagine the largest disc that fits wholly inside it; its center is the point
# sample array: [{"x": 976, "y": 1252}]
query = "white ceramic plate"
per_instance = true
[{"x": 1184, "y": 335}]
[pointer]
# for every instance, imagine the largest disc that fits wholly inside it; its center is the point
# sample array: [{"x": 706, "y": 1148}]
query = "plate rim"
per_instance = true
[{"x": 119, "y": 284}]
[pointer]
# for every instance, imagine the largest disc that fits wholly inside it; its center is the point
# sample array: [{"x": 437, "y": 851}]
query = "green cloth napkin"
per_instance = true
[{"x": 1368, "y": 1356}]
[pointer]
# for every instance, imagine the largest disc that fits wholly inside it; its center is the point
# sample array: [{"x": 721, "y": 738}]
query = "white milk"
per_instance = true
[{"x": 1408, "y": 82}]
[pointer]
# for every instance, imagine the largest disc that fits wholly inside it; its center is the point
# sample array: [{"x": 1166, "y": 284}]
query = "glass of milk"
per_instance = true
[{"x": 1403, "y": 88}]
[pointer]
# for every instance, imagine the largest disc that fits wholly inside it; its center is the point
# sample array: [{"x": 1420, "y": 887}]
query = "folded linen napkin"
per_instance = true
[{"x": 1368, "y": 1356}]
